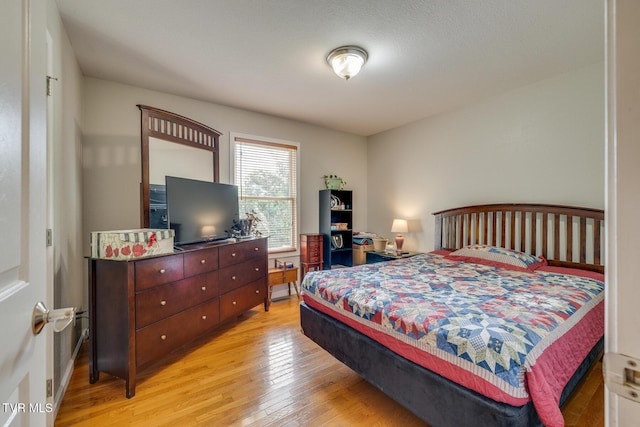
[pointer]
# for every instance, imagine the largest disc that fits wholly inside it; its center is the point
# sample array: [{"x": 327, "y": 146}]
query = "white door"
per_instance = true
[
  {"x": 623, "y": 209},
  {"x": 22, "y": 205}
]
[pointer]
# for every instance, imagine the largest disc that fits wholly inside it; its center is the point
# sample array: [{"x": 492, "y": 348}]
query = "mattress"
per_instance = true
[{"x": 513, "y": 336}]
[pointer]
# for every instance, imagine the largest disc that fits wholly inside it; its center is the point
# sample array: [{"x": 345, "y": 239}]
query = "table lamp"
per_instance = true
[{"x": 399, "y": 226}]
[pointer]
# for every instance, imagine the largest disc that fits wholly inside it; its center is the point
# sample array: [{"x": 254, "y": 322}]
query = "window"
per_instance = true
[{"x": 266, "y": 173}]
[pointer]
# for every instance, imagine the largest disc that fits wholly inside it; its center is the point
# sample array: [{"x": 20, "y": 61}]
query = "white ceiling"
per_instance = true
[{"x": 268, "y": 56}]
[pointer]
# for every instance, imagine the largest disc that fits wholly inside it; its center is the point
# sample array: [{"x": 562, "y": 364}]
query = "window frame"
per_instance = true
[{"x": 233, "y": 137}]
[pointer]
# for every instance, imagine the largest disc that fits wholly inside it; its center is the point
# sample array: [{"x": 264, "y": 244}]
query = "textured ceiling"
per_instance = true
[{"x": 425, "y": 57}]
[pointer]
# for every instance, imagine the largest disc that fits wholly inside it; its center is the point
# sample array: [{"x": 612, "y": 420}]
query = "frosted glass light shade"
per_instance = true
[
  {"x": 399, "y": 226},
  {"x": 347, "y": 61}
]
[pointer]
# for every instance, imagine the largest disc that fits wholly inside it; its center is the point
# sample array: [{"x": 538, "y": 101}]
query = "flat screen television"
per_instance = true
[{"x": 200, "y": 211}]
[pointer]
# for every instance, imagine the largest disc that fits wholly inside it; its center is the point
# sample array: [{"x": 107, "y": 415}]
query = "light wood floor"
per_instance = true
[{"x": 259, "y": 371}]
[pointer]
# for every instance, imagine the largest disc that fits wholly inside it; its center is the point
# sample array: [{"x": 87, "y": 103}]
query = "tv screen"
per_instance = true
[{"x": 200, "y": 211}]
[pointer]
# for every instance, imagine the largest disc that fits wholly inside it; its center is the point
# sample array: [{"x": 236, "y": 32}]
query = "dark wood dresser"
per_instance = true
[
  {"x": 311, "y": 253},
  {"x": 141, "y": 310}
]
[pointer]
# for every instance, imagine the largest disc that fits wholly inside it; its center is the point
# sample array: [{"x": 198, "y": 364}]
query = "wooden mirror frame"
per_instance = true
[{"x": 172, "y": 127}]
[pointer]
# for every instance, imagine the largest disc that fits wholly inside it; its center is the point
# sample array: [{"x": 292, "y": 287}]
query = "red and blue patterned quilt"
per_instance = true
[{"x": 509, "y": 335}]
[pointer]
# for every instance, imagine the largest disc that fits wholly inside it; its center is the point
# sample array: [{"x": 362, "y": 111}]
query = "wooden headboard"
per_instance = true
[{"x": 566, "y": 236}]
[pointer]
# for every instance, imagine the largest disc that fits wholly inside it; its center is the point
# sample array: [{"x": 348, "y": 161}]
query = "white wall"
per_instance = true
[
  {"x": 111, "y": 157},
  {"x": 65, "y": 153},
  {"x": 542, "y": 143}
]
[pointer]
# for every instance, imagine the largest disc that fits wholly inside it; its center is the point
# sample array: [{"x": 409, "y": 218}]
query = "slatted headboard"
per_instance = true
[{"x": 566, "y": 236}]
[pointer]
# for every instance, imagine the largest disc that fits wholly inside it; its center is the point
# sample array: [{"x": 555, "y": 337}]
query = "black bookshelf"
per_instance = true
[{"x": 336, "y": 226}]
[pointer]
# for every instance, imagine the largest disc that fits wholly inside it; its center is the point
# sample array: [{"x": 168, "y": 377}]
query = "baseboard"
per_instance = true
[{"x": 66, "y": 378}]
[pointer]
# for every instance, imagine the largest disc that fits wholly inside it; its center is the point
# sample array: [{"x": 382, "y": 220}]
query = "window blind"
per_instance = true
[{"x": 266, "y": 176}]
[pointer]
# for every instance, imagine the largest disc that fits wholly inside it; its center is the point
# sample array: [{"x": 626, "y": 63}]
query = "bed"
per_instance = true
[{"x": 495, "y": 327}]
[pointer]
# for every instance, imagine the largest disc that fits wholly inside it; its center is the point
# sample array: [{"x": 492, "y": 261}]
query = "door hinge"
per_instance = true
[
  {"x": 622, "y": 375},
  {"x": 49, "y": 90},
  {"x": 49, "y": 387},
  {"x": 49, "y": 237}
]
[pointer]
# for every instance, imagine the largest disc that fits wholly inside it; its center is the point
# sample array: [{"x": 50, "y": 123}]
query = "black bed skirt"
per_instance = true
[{"x": 433, "y": 398}]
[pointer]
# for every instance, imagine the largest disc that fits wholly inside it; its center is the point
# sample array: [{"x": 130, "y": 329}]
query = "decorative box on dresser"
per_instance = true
[
  {"x": 142, "y": 309},
  {"x": 310, "y": 253}
]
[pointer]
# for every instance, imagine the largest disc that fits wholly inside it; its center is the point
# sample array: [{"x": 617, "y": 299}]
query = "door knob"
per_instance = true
[{"x": 61, "y": 317}]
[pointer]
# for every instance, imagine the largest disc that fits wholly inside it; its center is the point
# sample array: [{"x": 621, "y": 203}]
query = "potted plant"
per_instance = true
[{"x": 334, "y": 182}]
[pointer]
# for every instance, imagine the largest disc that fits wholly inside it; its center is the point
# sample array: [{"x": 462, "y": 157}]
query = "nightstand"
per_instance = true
[
  {"x": 279, "y": 276},
  {"x": 373, "y": 256}
]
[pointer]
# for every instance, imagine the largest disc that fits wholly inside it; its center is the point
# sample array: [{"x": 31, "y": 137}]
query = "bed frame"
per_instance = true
[{"x": 565, "y": 236}]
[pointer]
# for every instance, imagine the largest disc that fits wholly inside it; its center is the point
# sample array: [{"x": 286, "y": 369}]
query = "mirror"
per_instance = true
[{"x": 176, "y": 146}]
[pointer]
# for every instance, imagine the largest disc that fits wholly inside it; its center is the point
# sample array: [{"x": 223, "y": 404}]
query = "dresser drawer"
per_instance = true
[
  {"x": 200, "y": 262},
  {"x": 310, "y": 248},
  {"x": 291, "y": 275},
  {"x": 279, "y": 276},
  {"x": 156, "y": 303},
  {"x": 158, "y": 271},
  {"x": 234, "y": 254},
  {"x": 314, "y": 256},
  {"x": 160, "y": 338},
  {"x": 242, "y": 299},
  {"x": 276, "y": 276},
  {"x": 238, "y": 275}
]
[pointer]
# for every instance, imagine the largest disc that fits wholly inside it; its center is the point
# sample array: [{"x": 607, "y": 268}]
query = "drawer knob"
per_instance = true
[
  {"x": 234, "y": 303},
  {"x": 257, "y": 291},
  {"x": 204, "y": 288},
  {"x": 256, "y": 249},
  {"x": 204, "y": 317},
  {"x": 163, "y": 337},
  {"x": 203, "y": 261},
  {"x": 233, "y": 277},
  {"x": 257, "y": 269},
  {"x": 162, "y": 271},
  {"x": 163, "y": 302},
  {"x": 233, "y": 254}
]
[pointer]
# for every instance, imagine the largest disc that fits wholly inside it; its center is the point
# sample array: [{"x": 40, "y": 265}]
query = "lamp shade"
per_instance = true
[
  {"x": 399, "y": 226},
  {"x": 347, "y": 61}
]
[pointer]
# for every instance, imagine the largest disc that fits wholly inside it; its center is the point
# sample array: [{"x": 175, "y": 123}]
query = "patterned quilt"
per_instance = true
[{"x": 458, "y": 318}]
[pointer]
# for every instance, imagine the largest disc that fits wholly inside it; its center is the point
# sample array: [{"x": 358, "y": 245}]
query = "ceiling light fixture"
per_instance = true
[{"x": 347, "y": 61}]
